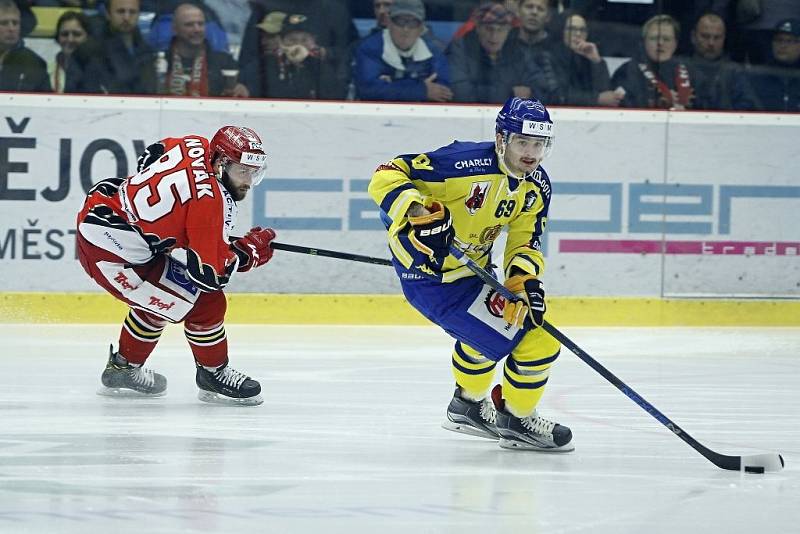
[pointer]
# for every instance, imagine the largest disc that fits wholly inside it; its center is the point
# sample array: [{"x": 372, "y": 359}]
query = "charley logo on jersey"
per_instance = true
[
  {"x": 472, "y": 163},
  {"x": 477, "y": 196}
]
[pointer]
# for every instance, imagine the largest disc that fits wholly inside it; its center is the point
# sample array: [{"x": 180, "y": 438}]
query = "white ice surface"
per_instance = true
[{"x": 348, "y": 439}]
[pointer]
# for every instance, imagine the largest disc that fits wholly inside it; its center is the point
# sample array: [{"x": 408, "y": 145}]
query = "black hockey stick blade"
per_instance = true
[
  {"x": 329, "y": 253},
  {"x": 754, "y": 463}
]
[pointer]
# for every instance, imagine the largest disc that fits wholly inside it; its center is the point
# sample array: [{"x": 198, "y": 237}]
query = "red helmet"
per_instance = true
[{"x": 240, "y": 145}]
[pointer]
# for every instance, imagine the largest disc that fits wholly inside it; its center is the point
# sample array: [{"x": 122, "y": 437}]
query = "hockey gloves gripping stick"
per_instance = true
[
  {"x": 432, "y": 233},
  {"x": 531, "y": 292},
  {"x": 254, "y": 248}
]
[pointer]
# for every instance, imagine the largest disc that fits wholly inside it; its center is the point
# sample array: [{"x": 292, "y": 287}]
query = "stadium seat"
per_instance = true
[{"x": 46, "y": 19}]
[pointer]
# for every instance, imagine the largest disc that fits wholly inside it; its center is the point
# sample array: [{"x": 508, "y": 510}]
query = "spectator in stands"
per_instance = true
[
  {"x": 271, "y": 26},
  {"x": 381, "y": 8},
  {"x": 755, "y": 22},
  {"x": 329, "y": 19},
  {"x": 469, "y": 24},
  {"x": 483, "y": 67},
  {"x": 293, "y": 69},
  {"x": 120, "y": 62},
  {"x": 195, "y": 69},
  {"x": 777, "y": 84},
  {"x": 655, "y": 79},
  {"x": 162, "y": 31},
  {"x": 28, "y": 19},
  {"x": 583, "y": 70},
  {"x": 532, "y": 42},
  {"x": 718, "y": 82},
  {"x": 534, "y": 17},
  {"x": 616, "y": 25},
  {"x": 398, "y": 63},
  {"x": 21, "y": 69},
  {"x": 72, "y": 30}
]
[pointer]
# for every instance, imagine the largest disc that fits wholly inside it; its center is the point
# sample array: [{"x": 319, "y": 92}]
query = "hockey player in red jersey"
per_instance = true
[{"x": 160, "y": 241}]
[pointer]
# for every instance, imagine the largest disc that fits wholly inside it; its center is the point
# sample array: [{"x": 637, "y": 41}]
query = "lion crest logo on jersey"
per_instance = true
[{"x": 477, "y": 196}]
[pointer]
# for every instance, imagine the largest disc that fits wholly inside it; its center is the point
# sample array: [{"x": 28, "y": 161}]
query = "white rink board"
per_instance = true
[{"x": 721, "y": 189}]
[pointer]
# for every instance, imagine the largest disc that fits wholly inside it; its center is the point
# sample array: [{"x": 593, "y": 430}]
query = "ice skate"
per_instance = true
[
  {"x": 476, "y": 418},
  {"x": 532, "y": 432},
  {"x": 123, "y": 379},
  {"x": 226, "y": 385}
]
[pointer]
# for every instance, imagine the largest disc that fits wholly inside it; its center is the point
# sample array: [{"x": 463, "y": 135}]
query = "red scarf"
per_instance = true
[
  {"x": 667, "y": 98},
  {"x": 194, "y": 83}
]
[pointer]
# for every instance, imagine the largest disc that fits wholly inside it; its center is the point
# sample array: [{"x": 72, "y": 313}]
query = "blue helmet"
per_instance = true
[
  {"x": 526, "y": 136},
  {"x": 523, "y": 116}
]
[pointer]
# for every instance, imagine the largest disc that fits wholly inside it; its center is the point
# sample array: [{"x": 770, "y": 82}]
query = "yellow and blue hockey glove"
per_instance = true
[
  {"x": 433, "y": 233},
  {"x": 532, "y": 305}
]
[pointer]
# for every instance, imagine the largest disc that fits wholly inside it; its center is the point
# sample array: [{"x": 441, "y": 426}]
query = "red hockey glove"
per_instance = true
[
  {"x": 253, "y": 249},
  {"x": 532, "y": 304}
]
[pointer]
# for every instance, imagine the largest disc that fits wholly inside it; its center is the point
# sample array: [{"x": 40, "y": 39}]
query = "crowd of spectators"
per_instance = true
[{"x": 669, "y": 54}]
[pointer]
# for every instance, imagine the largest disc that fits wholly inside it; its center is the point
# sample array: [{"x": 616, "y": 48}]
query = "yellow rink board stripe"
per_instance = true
[{"x": 249, "y": 308}]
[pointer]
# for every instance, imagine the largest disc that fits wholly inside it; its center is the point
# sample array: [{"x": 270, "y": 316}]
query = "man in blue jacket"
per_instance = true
[{"x": 398, "y": 63}]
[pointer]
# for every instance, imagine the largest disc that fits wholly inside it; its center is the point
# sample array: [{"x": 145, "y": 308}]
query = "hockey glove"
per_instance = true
[
  {"x": 433, "y": 233},
  {"x": 532, "y": 304},
  {"x": 253, "y": 249}
]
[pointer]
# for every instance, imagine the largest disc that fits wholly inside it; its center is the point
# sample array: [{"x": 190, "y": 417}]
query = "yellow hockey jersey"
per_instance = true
[{"x": 465, "y": 177}]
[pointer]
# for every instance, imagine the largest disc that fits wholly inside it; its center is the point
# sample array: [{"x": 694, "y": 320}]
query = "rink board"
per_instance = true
[
  {"x": 646, "y": 204},
  {"x": 244, "y": 308}
]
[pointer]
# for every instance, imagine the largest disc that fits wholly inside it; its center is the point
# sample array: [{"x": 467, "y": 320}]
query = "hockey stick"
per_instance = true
[
  {"x": 329, "y": 253},
  {"x": 753, "y": 463}
]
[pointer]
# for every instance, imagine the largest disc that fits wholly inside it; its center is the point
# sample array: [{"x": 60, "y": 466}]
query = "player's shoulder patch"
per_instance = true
[
  {"x": 540, "y": 178},
  {"x": 458, "y": 159},
  {"x": 151, "y": 154},
  {"x": 108, "y": 187}
]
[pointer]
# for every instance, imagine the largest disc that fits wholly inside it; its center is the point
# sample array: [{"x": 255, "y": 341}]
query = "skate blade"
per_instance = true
[
  {"x": 463, "y": 428},
  {"x": 525, "y": 446},
  {"x": 216, "y": 398},
  {"x": 125, "y": 393}
]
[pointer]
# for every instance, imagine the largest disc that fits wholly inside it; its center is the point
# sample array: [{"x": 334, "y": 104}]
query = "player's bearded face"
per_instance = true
[
  {"x": 238, "y": 179},
  {"x": 523, "y": 153}
]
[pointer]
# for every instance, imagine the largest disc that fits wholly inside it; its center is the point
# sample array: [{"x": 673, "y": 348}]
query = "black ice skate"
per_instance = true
[
  {"x": 476, "y": 418},
  {"x": 533, "y": 432},
  {"x": 226, "y": 385},
  {"x": 122, "y": 379}
]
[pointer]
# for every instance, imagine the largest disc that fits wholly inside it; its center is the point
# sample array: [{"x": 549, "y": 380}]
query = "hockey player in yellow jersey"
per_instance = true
[{"x": 464, "y": 194}]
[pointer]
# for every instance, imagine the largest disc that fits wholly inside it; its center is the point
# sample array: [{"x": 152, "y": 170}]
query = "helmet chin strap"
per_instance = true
[{"x": 222, "y": 176}]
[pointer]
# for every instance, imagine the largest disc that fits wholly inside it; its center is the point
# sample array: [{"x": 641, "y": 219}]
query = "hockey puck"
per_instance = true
[{"x": 753, "y": 469}]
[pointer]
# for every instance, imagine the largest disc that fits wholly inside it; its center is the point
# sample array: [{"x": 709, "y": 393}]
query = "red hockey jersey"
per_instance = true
[{"x": 174, "y": 201}]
